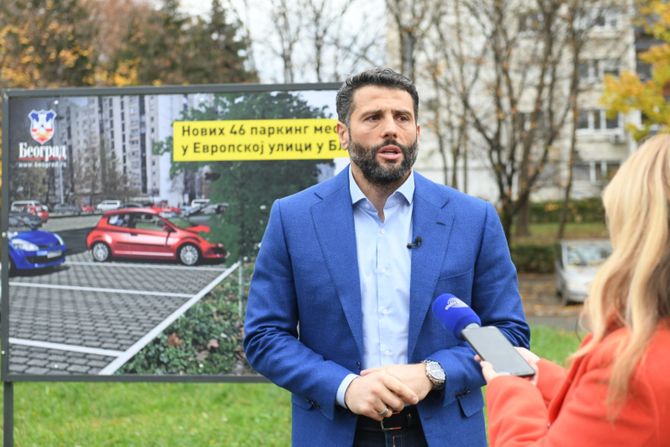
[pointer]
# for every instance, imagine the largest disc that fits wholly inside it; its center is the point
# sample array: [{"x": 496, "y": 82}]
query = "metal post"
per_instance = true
[
  {"x": 8, "y": 414},
  {"x": 240, "y": 285}
]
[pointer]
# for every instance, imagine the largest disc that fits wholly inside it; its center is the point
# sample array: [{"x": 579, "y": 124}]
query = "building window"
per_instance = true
[
  {"x": 594, "y": 70},
  {"x": 596, "y": 172},
  {"x": 596, "y": 119}
]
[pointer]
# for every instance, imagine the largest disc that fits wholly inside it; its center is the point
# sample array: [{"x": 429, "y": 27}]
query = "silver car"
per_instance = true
[{"x": 576, "y": 264}]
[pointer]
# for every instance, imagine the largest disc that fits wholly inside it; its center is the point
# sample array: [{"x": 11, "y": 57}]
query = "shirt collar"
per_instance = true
[{"x": 405, "y": 190}]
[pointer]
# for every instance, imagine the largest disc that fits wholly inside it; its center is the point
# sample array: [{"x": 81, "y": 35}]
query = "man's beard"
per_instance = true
[{"x": 375, "y": 172}]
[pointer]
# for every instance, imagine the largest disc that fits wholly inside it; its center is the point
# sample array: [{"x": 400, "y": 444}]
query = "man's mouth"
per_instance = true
[{"x": 390, "y": 152}]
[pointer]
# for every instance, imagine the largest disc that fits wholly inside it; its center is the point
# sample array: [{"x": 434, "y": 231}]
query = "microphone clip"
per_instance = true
[{"x": 416, "y": 243}]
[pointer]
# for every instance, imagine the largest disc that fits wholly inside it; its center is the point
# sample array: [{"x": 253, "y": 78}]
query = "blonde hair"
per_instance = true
[{"x": 631, "y": 288}]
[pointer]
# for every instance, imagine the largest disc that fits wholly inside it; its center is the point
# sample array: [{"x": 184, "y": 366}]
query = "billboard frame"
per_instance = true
[{"x": 9, "y": 94}]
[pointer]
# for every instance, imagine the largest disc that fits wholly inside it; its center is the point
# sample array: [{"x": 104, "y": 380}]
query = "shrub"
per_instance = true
[
  {"x": 533, "y": 258},
  {"x": 584, "y": 210},
  {"x": 206, "y": 340}
]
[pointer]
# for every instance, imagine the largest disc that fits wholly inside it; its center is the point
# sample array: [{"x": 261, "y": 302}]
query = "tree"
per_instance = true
[
  {"x": 46, "y": 43},
  {"x": 521, "y": 111},
  {"x": 580, "y": 17},
  {"x": 645, "y": 92},
  {"x": 313, "y": 38},
  {"x": 413, "y": 19},
  {"x": 165, "y": 46}
]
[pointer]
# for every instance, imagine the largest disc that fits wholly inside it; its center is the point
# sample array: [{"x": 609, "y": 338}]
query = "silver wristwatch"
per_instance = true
[{"x": 435, "y": 374}]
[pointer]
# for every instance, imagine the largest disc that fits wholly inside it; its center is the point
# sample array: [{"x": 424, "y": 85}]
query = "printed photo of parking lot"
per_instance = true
[{"x": 125, "y": 262}]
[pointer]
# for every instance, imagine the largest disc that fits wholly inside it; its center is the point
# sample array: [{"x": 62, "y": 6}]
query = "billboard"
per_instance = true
[{"x": 133, "y": 217}]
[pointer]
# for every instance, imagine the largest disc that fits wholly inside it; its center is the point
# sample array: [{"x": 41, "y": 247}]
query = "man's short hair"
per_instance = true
[{"x": 380, "y": 77}]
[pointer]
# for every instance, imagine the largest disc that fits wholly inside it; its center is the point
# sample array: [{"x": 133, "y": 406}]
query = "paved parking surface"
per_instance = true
[
  {"x": 91, "y": 318},
  {"x": 543, "y": 307}
]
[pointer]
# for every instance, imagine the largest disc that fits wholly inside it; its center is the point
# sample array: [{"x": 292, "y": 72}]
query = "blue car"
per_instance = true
[{"x": 31, "y": 249}]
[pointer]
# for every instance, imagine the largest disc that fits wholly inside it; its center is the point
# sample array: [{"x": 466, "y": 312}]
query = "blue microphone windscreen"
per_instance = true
[{"x": 454, "y": 314}]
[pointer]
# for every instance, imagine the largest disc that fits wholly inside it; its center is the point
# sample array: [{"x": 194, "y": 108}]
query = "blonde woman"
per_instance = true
[{"x": 617, "y": 390}]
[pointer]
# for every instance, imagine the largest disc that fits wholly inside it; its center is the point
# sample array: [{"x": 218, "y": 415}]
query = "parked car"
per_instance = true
[
  {"x": 144, "y": 234},
  {"x": 576, "y": 264},
  {"x": 25, "y": 220},
  {"x": 107, "y": 205},
  {"x": 194, "y": 206},
  {"x": 32, "y": 249},
  {"x": 166, "y": 210},
  {"x": 66, "y": 209},
  {"x": 32, "y": 207},
  {"x": 87, "y": 209}
]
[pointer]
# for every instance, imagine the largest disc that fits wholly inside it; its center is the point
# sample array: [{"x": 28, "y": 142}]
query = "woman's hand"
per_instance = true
[{"x": 489, "y": 373}]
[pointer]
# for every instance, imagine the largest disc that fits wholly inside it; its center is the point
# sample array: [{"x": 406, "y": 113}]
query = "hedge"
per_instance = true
[
  {"x": 584, "y": 210},
  {"x": 533, "y": 258}
]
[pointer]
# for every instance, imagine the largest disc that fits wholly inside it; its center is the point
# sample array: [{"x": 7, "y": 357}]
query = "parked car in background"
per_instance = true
[
  {"x": 87, "y": 209},
  {"x": 166, "y": 210},
  {"x": 32, "y": 207},
  {"x": 66, "y": 209},
  {"x": 32, "y": 249},
  {"x": 576, "y": 264},
  {"x": 194, "y": 206},
  {"x": 25, "y": 220},
  {"x": 107, "y": 205},
  {"x": 144, "y": 234}
]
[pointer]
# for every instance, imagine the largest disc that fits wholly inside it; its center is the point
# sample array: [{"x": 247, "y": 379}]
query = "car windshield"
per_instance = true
[{"x": 588, "y": 254}]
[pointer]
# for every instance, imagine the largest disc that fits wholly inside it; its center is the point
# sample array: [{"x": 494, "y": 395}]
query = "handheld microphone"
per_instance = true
[
  {"x": 454, "y": 314},
  {"x": 488, "y": 342},
  {"x": 416, "y": 243}
]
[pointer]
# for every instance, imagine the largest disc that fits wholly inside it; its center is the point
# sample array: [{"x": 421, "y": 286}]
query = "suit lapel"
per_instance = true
[
  {"x": 432, "y": 221},
  {"x": 334, "y": 225}
]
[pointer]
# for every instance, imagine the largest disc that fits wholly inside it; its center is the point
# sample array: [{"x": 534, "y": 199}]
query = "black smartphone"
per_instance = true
[{"x": 492, "y": 346}]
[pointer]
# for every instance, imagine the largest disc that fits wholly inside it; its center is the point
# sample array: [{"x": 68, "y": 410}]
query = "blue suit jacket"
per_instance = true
[{"x": 304, "y": 323}]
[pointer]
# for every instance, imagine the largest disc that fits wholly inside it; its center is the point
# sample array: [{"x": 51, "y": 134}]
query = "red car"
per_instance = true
[{"x": 143, "y": 233}]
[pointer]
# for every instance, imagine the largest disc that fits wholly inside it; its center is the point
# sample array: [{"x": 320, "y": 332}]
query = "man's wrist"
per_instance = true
[{"x": 342, "y": 389}]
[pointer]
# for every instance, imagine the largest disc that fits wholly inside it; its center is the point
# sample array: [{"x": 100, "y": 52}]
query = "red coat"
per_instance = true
[{"x": 568, "y": 409}]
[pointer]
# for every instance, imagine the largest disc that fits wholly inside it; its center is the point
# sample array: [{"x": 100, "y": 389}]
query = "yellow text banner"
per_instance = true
[{"x": 246, "y": 140}]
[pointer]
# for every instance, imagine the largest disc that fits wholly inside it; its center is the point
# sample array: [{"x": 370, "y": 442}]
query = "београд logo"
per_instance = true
[{"x": 42, "y": 125}]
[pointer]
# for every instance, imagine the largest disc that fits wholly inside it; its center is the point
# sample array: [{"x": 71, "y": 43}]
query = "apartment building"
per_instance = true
[{"x": 602, "y": 142}]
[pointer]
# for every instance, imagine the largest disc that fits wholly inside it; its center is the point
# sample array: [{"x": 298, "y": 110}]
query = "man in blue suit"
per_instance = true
[{"x": 339, "y": 305}]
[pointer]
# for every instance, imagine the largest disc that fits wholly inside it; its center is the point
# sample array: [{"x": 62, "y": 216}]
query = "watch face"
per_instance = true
[{"x": 436, "y": 371}]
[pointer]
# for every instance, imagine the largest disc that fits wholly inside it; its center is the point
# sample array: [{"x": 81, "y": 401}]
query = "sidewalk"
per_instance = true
[{"x": 543, "y": 306}]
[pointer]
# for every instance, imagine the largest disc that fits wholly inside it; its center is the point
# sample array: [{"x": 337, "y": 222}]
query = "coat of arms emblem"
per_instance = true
[{"x": 42, "y": 125}]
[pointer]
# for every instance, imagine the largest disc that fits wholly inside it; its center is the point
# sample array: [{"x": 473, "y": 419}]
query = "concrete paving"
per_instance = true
[{"x": 543, "y": 306}]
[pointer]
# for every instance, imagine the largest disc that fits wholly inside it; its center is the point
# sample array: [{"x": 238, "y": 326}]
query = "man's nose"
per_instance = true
[{"x": 389, "y": 127}]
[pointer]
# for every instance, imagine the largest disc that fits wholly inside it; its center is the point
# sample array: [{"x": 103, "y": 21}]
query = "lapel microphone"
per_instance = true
[{"x": 416, "y": 243}]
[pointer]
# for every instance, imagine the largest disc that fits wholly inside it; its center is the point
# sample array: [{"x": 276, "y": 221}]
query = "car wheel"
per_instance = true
[
  {"x": 189, "y": 254},
  {"x": 100, "y": 252}
]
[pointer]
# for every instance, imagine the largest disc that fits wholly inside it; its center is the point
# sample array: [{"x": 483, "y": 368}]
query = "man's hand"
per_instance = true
[
  {"x": 370, "y": 394},
  {"x": 414, "y": 376}
]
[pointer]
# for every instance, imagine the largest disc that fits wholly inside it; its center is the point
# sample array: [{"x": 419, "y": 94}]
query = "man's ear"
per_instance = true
[{"x": 343, "y": 134}]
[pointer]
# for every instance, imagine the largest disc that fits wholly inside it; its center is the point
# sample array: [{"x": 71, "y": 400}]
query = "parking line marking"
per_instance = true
[
  {"x": 64, "y": 347},
  {"x": 98, "y": 289},
  {"x": 149, "y": 336},
  {"x": 160, "y": 267}
]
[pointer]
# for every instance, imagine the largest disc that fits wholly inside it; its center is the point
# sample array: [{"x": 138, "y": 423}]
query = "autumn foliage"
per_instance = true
[{"x": 632, "y": 91}]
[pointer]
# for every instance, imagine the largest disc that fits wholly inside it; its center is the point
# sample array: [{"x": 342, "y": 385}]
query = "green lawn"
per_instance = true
[
  {"x": 166, "y": 415},
  {"x": 542, "y": 233}
]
